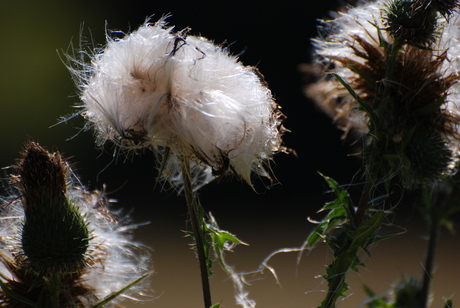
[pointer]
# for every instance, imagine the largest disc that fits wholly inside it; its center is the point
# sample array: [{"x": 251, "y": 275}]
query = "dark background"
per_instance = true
[{"x": 36, "y": 90}]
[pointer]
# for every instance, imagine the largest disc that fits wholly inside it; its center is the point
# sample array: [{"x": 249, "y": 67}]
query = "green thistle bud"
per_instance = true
[
  {"x": 55, "y": 237},
  {"x": 412, "y": 23},
  {"x": 62, "y": 247},
  {"x": 429, "y": 159},
  {"x": 407, "y": 293}
]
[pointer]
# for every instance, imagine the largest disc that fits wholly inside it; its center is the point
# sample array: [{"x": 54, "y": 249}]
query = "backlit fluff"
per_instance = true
[
  {"x": 352, "y": 41},
  {"x": 161, "y": 89},
  {"x": 115, "y": 260},
  {"x": 412, "y": 95},
  {"x": 110, "y": 262}
]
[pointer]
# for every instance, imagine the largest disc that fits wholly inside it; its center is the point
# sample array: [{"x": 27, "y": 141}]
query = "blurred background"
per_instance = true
[{"x": 36, "y": 90}]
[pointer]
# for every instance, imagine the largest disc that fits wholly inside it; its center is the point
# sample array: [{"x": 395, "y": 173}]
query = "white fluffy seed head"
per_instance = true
[{"x": 156, "y": 88}]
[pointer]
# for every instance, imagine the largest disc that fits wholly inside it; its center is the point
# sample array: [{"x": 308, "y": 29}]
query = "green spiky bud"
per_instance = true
[
  {"x": 429, "y": 159},
  {"x": 407, "y": 293},
  {"x": 55, "y": 236},
  {"x": 412, "y": 23}
]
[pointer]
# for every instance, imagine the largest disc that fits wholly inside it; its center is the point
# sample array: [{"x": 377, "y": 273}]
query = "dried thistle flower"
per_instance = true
[
  {"x": 401, "y": 97},
  {"x": 159, "y": 89},
  {"x": 61, "y": 247}
]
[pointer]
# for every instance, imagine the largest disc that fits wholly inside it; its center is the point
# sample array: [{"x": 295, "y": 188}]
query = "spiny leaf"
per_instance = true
[
  {"x": 345, "y": 247},
  {"x": 219, "y": 239},
  {"x": 338, "y": 214}
]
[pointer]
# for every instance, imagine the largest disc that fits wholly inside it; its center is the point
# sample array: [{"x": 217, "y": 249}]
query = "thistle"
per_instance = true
[
  {"x": 182, "y": 95},
  {"x": 54, "y": 236},
  {"x": 61, "y": 245},
  {"x": 394, "y": 82},
  {"x": 391, "y": 79},
  {"x": 202, "y": 112}
]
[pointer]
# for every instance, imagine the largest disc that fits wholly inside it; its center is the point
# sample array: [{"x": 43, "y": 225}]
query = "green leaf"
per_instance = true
[
  {"x": 365, "y": 77},
  {"x": 215, "y": 305},
  {"x": 338, "y": 214},
  {"x": 117, "y": 293},
  {"x": 363, "y": 236},
  {"x": 345, "y": 247},
  {"x": 219, "y": 238},
  {"x": 368, "y": 109}
]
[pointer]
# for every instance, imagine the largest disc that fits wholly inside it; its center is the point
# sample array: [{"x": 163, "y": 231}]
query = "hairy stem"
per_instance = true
[{"x": 197, "y": 229}]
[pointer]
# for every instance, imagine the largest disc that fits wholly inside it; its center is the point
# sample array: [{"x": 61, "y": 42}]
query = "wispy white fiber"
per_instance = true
[
  {"x": 338, "y": 41},
  {"x": 158, "y": 88},
  {"x": 115, "y": 260}
]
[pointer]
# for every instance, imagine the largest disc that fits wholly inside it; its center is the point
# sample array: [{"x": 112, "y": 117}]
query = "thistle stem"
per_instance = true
[
  {"x": 197, "y": 230},
  {"x": 55, "y": 282},
  {"x": 434, "y": 226},
  {"x": 363, "y": 203},
  {"x": 334, "y": 291}
]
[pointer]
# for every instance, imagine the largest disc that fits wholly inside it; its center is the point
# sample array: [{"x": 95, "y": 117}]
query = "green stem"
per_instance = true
[
  {"x": 348, "y": 255},
  {"x": 434, "y": 226},
  {"x": 197, "y": 229},
  {"x": 335, "y": 290},
  {"x": 363, "y": 203},
  {"x": 392, "y": 58},
  {"x": 55, "y": 286}
]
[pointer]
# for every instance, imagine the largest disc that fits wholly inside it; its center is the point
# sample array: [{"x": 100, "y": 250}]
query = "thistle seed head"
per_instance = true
[{"x": 156, "y": 88}]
